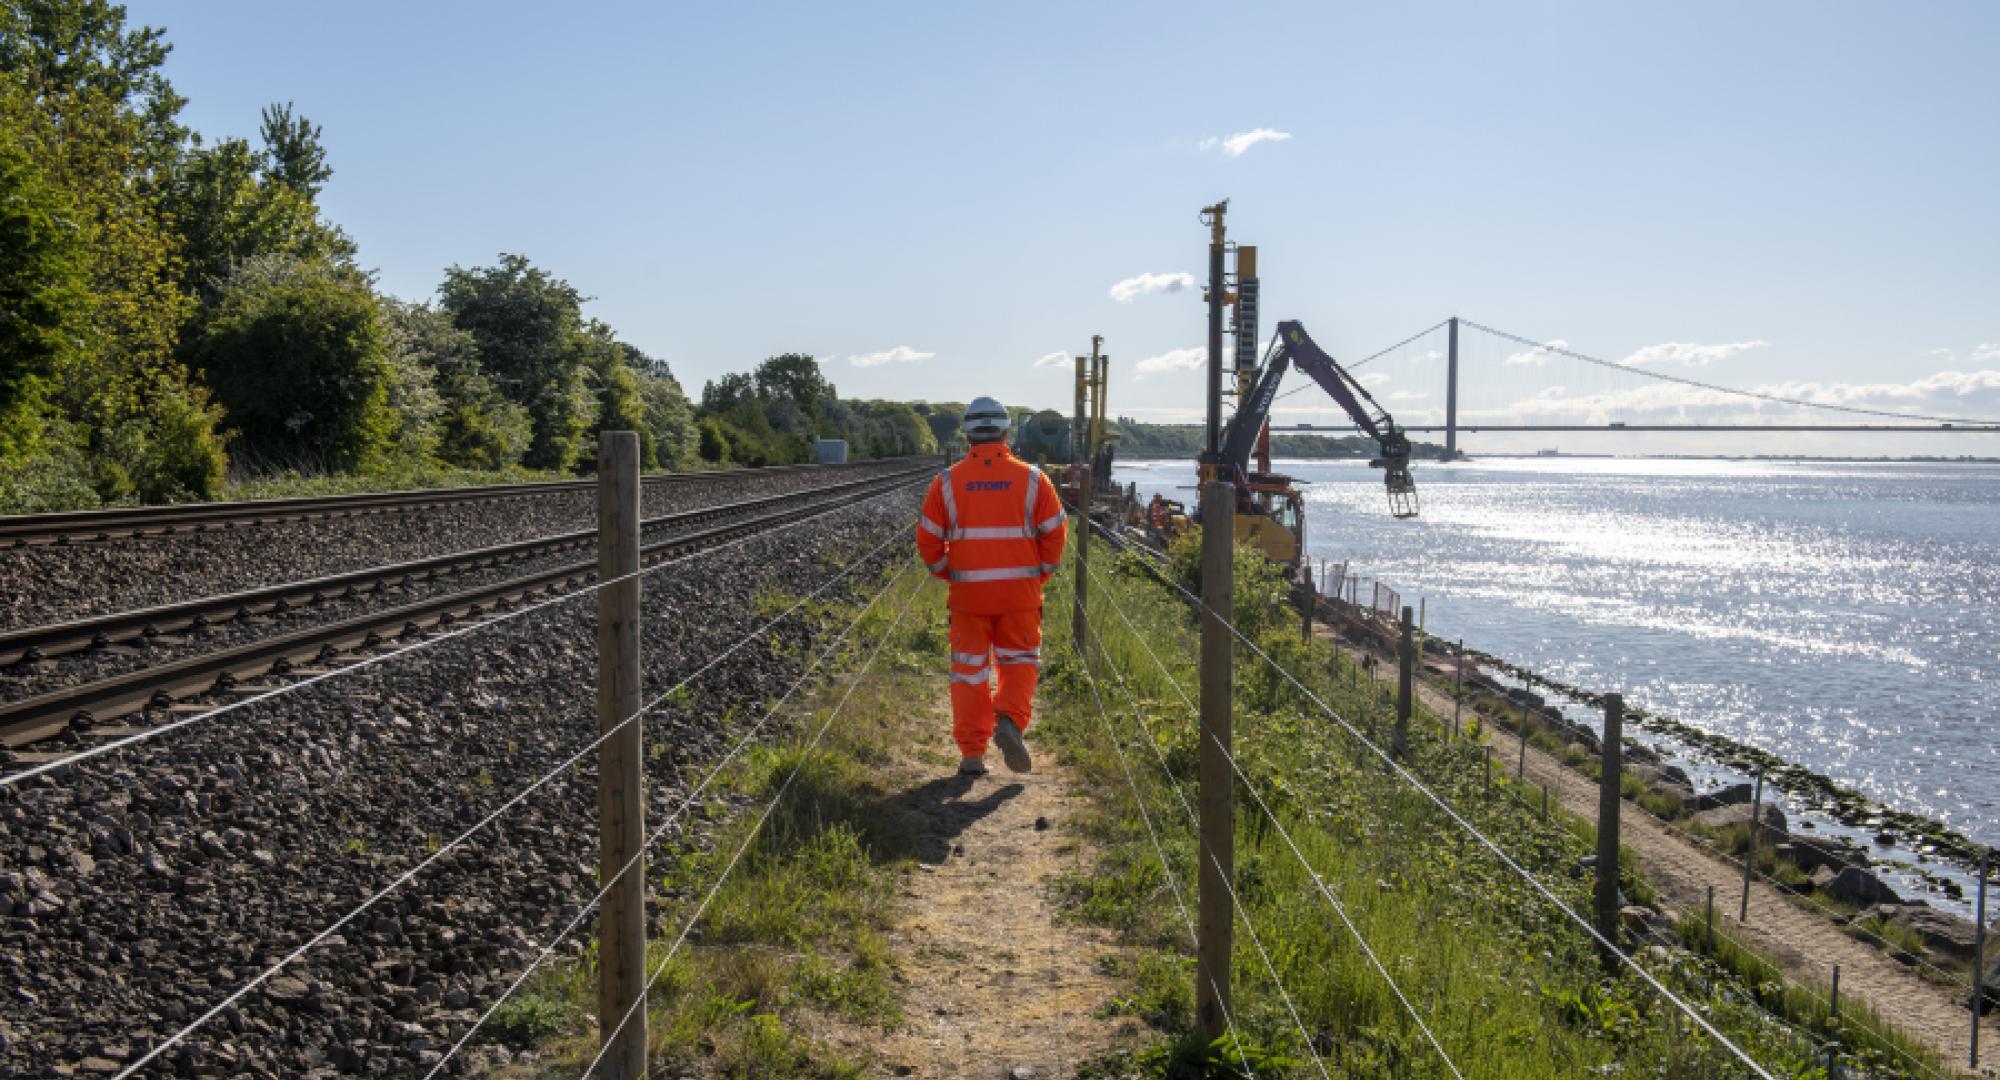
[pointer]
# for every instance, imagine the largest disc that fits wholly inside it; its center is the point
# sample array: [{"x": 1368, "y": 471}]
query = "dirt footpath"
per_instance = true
[
  {"x": 996, "y": 984},
  {"x": 1804, "y": 943}
]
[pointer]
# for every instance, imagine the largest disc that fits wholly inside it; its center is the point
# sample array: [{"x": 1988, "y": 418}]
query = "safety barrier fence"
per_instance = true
[
  {"x": 618, "y": 526},
  {"x": 1814, "y": 1043}
]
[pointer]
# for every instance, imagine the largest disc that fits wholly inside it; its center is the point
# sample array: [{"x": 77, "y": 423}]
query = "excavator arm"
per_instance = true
[{"x": 1295, "y": 347}]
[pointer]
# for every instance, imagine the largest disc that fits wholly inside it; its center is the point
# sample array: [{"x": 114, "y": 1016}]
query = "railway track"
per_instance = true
[
  {"x": 31, "y": 720},
  {"x": 79, "y": 526}
]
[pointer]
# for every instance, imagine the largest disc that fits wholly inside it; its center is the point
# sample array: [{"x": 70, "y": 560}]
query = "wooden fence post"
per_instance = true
[
  {"x": 1979, "y": 959},
  {"x": 1406, "y": 656},
  {"x": 1610, "y": 765},
  {"x": 1217, "y": 794},
  {"x": 1750, "y": 856},
  {"x": 1079, "y": 624},
  {"x": 1458, "y": 689},
  {"x": 621, "y": 809}
]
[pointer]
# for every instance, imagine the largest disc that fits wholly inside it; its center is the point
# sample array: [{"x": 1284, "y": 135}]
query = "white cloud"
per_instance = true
[
  {"x": 901, "y": 354},
  {"x": 1052, "y": 359},
  {"x": 1373, "y": 379},
  {"x": 1173, "y": 360},
  {"x": 1235, "y": 145},
  {"x": 1985, "y": 351},
  {"x": 1134, "y": 287},
  {"x": 1689, "y": 354},
  {"x": 1409, "y": 395},
  {"x": 1538, "y": 355}
]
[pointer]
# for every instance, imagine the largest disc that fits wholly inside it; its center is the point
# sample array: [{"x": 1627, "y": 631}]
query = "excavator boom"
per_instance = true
[{"x": 1294, "y": 346}]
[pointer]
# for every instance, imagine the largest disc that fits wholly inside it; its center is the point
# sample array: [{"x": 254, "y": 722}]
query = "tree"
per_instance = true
[
  {"x": 477, "y": 427},
  {"x": 231, "y": 203},
  {"x": 795, "y": 377},
  {"x": 297, "y": 160},
  {"x": 726, "y": 393},
  {"x": 714, "y": 442},
  {"x": 78, "y": 50},
  {"x": 671, "y": 420},
  {"x": 297, "y": 354},
  {"x": 528, "y": 328},
  {"x": 42, "y": 276},
  {"x": 619, "y": 404},
  {"x": 84, "y": 102}
]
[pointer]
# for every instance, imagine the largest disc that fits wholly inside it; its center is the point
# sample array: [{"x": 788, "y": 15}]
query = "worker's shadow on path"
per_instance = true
[{"x": 937, "y": 811}]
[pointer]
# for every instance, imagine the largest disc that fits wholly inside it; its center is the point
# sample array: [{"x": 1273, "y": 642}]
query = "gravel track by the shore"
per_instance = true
[
  {"x": 59, "y": 583},
  {"x": 146, "y": 886}
]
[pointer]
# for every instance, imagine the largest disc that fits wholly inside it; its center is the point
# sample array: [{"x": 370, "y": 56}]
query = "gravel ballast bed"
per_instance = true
[
  {"x": 58, "y": 583},
  {"x": 147, "y": 886},
  {"x": 28, "y": 679}
]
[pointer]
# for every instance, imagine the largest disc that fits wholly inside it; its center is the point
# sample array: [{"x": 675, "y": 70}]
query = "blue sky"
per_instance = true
[{"x": 931, "y": 197}]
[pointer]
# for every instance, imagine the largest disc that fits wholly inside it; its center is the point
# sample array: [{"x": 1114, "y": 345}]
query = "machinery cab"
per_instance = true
[
  {"x": 1270, "y": 512},
  {"x": 1278, "y": 531}
]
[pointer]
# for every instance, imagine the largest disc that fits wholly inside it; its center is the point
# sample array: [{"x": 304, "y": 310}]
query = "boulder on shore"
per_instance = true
[
  {"x": 1942, "y": 933},
  {"x": 1823, "y": 852},
  {"x": 1729, "y": 796},
  {"x": 1861, "y": 888},
  {"x": 1727, "y": 817},
  {"x": 1657, "y": 775}
]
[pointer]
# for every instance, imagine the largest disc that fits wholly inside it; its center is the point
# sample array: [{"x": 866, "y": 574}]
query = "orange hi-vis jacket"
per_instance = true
[{"x": 993, "y": 526}]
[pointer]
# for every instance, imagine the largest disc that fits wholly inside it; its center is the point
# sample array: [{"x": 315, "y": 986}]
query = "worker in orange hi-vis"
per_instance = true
[{"x": 993, "y": 526}]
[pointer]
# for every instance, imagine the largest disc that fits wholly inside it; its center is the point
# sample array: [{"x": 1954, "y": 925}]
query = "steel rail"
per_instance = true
[
  {"x": 56, "y": 639},
  {"x": 33, "y": 719},
  {"x": 70, "y": 526}
]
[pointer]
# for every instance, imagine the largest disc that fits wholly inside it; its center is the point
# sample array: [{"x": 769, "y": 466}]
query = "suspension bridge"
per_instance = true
[{"x": 1495, "y": 381}]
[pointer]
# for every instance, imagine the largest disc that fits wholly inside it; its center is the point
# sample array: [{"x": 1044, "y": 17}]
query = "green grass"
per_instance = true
[
  {"x": 1507, "y": 984},
  {"x": 798, "y": 929}
]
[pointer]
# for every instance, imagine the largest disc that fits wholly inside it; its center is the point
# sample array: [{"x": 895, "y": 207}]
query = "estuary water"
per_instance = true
[{"x": 1845, "y": 616}]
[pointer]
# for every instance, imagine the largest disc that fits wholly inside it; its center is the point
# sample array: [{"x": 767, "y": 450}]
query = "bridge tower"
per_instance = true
[{"x": 1451, "y": 394}]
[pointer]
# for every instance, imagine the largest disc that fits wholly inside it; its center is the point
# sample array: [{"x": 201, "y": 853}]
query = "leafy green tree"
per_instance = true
[
  {"x": 297, "y": 354},
  {"x": 297, "y": 157},
  {"x": 620, "y": 406},
  {"x": 671, "y": 420},
  {"x": 42, "y": 278},
  {"x": 83, "y": 101},
  {"x": 477, "y": 427},
  {"x": 721, "y": 395},
  {"x": 795, "y": 378},
  {"x": 231, "y": 204},
  {"x": 668, "y": 416},
  {"x": 80, "y": 50},
  {"x": 528, "y": 328},
  {"x": 714, "y": 446}
]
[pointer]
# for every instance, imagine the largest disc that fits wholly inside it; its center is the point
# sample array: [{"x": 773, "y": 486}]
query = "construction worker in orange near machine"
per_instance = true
[{"x": 993, "y": 526}]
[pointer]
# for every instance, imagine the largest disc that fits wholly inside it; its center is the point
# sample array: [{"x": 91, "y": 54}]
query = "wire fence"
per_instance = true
[
  {"x": 1869, "y": 1034},
  {"x": 1389, "y": 760},
  {"x": 56, "y": 768},
  {"x": 653, "y": 838}
]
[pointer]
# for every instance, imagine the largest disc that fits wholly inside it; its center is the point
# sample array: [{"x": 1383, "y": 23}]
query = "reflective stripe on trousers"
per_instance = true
[{"x": 1001, "y": 573}]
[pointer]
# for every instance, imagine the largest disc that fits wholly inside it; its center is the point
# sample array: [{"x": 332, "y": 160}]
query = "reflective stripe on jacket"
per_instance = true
[{"x": 994, "y": 527}]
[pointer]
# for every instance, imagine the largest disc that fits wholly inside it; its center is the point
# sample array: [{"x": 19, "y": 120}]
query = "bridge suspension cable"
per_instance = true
[{"x": 1555, "y": 349}]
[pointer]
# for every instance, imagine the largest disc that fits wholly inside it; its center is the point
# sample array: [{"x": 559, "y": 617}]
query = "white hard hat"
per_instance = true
[{"x": 986, "y": 417}]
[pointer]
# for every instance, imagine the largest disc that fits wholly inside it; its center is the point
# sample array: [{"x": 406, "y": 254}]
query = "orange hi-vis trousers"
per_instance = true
[{"x": 1010, "y": 642}]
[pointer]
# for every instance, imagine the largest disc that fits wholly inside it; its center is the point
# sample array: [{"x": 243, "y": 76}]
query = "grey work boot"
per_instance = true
[
  {"x": 1012, "y": 750},
  {"x": 973, "y": 766}
]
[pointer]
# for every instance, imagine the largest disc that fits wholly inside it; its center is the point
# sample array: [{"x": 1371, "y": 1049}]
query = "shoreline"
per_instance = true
[{"x": 1815, "y": 791}]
